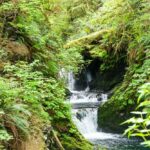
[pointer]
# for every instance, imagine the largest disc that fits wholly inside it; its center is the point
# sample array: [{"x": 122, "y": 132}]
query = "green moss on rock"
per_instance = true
[
  {"x": 114, "y": 112},
  {"x": 76, "y": 143},
  {"x": 117, "y": 109}
]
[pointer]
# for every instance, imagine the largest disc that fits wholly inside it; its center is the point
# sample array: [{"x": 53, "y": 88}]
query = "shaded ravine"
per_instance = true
[{"x": 84, "y": 113}]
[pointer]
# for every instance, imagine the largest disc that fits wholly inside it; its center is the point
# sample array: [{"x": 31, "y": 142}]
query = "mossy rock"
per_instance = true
[
  {"x": 117, "y": 109},
  {"x": 70, "y": 137},
  {"x": 110, "y": 117},
  {"x": 124, "y": 100},
  {"x": 76, "y": 143}
]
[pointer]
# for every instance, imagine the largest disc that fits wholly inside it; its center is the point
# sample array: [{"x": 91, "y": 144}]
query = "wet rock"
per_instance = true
[
  {"x": 99, "y": 99},
  {"x": 68, "y": 92},
  {"x": 85, "y": 105},
  {"x": 81, "y": 81},
  {"x": 80, "y": 97},
  {"x": 79, "y": 116}
]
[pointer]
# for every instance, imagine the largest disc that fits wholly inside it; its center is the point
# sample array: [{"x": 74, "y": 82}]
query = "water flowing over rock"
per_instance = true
[
  {"x": 85, "y": 104},
  {"x": 85, "y": 113}
]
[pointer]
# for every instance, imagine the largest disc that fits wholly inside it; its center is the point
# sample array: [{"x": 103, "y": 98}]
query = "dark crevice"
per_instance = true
[{"x": 102, "y": 81}]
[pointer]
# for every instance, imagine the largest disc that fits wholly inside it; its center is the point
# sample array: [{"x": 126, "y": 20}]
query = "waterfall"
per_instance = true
[
  {"x": 89, "y": 77},
  {"x": 86, "y": 107},
  {"x": 85, "y": 120},
  {"x": 71, "y": 81},
  {"x": 84, "y": 113}
]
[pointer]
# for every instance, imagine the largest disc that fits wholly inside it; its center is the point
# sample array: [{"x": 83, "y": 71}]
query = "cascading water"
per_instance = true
[
  {"x": 85, "y": 117},
  {"x": 85, "y": 104},
  {"x": 71, "y": 81}
]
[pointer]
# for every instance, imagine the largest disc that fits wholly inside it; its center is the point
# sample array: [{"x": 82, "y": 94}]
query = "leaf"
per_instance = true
[
  {"x": 130, "y": 102},
  {"x": 145, "y": 103},
  {"x": 146, "y": 143},
  {"x": 138, "y": 113},
  {"x": 22, "y": 108},
  {"x": 4, "y": 135},
  {"x": 2, "y": 112},
  {"x": 138, "y": 134},
  {"x": 130, "y": 129}
]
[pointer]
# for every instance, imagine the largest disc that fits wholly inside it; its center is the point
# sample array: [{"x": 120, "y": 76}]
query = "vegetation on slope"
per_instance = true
[{"x": 32, "y": 35}]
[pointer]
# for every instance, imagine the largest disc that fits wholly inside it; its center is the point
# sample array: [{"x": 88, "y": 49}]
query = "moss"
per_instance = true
[
  {"x": 124, "y": 98},
  {"x": 119, "y": 110},
  {"x": 76, "y": 143},
  {"x": 70, "y": 137},
  {"x": 78, "y": 11},
  {"x": 98, "y": 51},
  {"x": 88, "y": 39},
  {"x": 34, "y": 142}
]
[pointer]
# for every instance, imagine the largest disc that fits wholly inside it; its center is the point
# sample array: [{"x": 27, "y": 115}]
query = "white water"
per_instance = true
[
  {"x": 71, "y": 81},
  {"x": 86, "y": 118}
]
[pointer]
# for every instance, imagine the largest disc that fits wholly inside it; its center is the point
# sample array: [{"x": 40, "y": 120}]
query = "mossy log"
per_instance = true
[{"x": 88, "y": 39}]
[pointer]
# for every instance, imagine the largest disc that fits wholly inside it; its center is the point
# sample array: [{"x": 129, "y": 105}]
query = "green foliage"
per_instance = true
[
  {"x": 14, "y": 115},
  {"x": 46, "y": 43},
  {"x": 128, "y": 42},
  {"x": 4, "y": 135},
  {"x": 99, "y": 52},
  {"x": 74, "y": 55},
  {"x": 141, "y": 120},
  {"x": 126, "y": 19},
  {"x": 3, "y": 54},
  {"x": 41, "y": 93},
  {"x": 33, "y": 89},
  {"x": 34, "y": 86},
  {"x": 24, "y": 93},
  {"x": 128, "y": 22}
]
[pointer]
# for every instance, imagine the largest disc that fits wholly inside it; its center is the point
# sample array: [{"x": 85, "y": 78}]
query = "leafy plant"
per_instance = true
[
  {"x": 14, "y": 115},
  {"x": 4, "y": 136},
  {"x": 141, "y": 120}
]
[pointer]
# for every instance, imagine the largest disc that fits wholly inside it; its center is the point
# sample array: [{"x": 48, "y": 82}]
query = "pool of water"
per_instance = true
[{"x": 120, "y": 144}]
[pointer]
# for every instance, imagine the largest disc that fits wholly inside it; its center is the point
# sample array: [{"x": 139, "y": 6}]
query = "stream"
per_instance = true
[{"x": 84, "y": 113}]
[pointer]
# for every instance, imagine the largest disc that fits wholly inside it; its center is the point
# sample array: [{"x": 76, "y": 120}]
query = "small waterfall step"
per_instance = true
[
  {"x": 84, "y": 109},
  {"x": 80, "y": 105}
]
